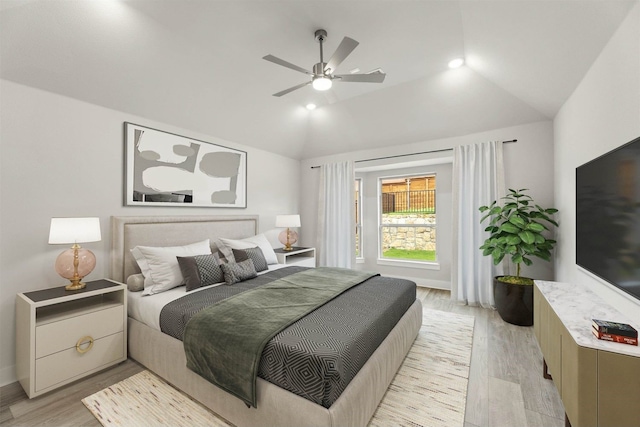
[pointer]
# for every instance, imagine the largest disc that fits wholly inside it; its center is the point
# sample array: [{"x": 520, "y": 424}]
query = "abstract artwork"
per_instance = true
[{"x": 164, "y": 169}]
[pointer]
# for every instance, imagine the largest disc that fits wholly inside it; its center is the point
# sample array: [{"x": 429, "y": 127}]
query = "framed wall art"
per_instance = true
[{"x": 165, "y": 169}]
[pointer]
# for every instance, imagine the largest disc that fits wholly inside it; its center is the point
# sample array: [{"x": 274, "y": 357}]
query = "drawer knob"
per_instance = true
[{"x": 82, "y": 341}]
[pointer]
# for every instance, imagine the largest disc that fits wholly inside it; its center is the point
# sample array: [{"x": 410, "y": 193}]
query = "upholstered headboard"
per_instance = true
[{"x": 130, "y": 231}]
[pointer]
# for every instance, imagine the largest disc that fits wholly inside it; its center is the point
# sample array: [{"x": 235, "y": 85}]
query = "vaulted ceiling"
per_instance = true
[{"x": 198, "y": 64}]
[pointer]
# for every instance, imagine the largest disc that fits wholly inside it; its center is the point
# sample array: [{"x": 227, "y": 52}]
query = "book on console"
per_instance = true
[
  {"x": 614, "y": 338},
  {"x": 614, "y": 328}
]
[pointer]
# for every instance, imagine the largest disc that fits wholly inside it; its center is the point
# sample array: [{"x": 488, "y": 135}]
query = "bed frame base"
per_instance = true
[{"x": 164, "y": 355}]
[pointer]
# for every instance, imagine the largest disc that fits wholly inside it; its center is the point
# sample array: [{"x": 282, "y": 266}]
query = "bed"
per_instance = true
[{"x": 165, "y": 356}]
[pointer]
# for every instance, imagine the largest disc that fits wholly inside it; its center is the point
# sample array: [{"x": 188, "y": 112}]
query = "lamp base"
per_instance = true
[
  {"x": 287, "y": 238},
  {"x": 74, "y": 286},
  {"x": 74, "y": 264}
]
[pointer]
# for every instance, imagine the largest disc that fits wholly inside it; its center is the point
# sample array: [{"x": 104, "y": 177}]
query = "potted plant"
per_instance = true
[{"x": 517, "y": 232}]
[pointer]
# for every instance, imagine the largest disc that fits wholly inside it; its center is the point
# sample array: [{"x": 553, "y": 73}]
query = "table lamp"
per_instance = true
[
  {"x": 288, "y": 237},
  {"x": 77, "y": 262}
]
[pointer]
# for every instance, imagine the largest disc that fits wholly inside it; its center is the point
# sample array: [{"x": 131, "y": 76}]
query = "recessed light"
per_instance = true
[
  {"x": 311, "y": 107},
  {"x": 456, "y": 63}
]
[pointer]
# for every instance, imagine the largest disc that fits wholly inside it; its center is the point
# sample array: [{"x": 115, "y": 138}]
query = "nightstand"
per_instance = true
[
  {"x": 62, "y": 336},
  {"x": 301, "y": 257}
]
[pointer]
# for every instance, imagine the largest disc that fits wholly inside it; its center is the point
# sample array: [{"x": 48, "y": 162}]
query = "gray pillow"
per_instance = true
[
  {"x": 235, "y": 272},
  {"x": 200, "y": 270},
  {"x": 254, "y": 254}
]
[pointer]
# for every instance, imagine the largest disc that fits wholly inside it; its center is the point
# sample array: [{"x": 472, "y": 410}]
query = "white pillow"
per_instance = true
[
  {"x": 251, "y": 242},
  {"x": 160, "y": 266}
]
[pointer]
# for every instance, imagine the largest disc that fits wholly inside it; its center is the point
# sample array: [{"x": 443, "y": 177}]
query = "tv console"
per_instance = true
[{"x": 598, "y": 381}]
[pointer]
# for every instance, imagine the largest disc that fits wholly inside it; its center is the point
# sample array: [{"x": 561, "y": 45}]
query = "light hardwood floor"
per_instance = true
[{"x": 506, "y": 387}]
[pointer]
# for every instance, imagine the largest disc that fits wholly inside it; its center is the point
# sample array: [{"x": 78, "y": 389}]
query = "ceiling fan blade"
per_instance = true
[
  {"x": 284, "y": 63},
  {"x": 344, "y": 49},
  {"x": 291, "y": 89},
  {"x": 363, "y": 78}
]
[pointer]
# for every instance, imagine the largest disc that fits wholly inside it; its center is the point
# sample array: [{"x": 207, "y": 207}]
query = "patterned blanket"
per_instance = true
[
  {"x": 317, "y": 356},
  {"x": 223, "y": 343}
]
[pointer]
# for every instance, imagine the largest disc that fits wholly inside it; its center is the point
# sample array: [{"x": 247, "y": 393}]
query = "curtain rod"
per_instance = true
[{"x": 410, "y": 154}]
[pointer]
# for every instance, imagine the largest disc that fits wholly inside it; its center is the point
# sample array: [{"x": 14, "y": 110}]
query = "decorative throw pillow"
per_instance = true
[
  {"x": 135, "y": 283},
  {"x": 235, "y": 272},
  {"x": 225, "y": 251},
  {"x": 254, "y": 254},
  {"x": 159, "y": 265},
  {"x": 200, "y": 270},
  {"x": 250, "y": 242}
]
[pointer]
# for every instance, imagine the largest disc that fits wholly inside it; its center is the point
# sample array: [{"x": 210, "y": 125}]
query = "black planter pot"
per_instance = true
[{"x": 514, "y": 302}]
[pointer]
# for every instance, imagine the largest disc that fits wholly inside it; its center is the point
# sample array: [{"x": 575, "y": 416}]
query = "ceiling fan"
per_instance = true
[{"x": 322, "y": 75}]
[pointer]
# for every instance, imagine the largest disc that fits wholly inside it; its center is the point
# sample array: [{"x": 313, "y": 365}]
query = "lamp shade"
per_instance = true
[
  {"x": 288, "y": 221},
  {"x": 74, "y": 230}
]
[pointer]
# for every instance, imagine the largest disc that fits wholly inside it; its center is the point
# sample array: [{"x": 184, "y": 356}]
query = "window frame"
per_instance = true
[{"x": 381, "y": 260}]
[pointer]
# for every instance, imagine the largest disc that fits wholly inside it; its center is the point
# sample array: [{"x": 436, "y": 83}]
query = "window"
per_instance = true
[
  {"x": 408, "y": 218},
  {"x": 358, "y": 211}
]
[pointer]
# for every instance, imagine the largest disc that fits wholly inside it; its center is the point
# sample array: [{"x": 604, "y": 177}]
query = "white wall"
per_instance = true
[
  {"x": 602, "y": 114},
  {"x": 63, "y": 157},
  {"x": 528, "y": 164}
]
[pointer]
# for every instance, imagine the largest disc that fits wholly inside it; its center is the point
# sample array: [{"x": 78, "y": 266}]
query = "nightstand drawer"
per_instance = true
[
  {"x": 64, "y": 334},
  {"x": 67, "y": 364}
]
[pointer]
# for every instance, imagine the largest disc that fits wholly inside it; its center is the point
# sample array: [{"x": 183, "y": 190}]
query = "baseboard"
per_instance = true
[{"x": 8, "y": 375}]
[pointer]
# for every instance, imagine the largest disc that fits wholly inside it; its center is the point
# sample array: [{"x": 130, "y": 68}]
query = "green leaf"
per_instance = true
[
  {"x": 513, "y": 240},
  {"x": 487, "y": 251},
  {"x": 495, "y": 210},
  {"x": 497, "y": 257},
  {"x": 534, "y": 226},
  {"x": 539, "y": 239},
  {"x": 483, "y": 208},
  {"x": 510, "y": 228},
  {"x": 544, "y": 254},
  {"x": 517, "y": 221},
  {"x": 551, "y": 210},
  {"x": 527, "y": 236},
  {"x": 516, "y": 259},
  {"x": 527, "y": 261}
]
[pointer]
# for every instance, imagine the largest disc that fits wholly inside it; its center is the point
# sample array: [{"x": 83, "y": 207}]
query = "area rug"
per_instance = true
[{"x": 430, "y": 389}]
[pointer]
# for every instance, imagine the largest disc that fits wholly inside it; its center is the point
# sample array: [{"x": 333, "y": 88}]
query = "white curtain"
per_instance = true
[
  {"x": 478, "y": 179},
  {"x": 336, "y": 215}
]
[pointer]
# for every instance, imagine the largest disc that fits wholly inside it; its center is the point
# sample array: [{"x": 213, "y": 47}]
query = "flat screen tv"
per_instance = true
[{"x": 608, "y": 217}]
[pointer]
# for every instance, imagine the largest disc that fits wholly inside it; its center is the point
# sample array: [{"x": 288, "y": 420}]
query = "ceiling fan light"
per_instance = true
[
  {"x": 321, "y": 83},
  {"x": 311, "y": 106}
]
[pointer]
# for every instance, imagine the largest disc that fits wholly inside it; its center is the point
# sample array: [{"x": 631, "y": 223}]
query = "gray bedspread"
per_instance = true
[{"x": 317, "y": 356}]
